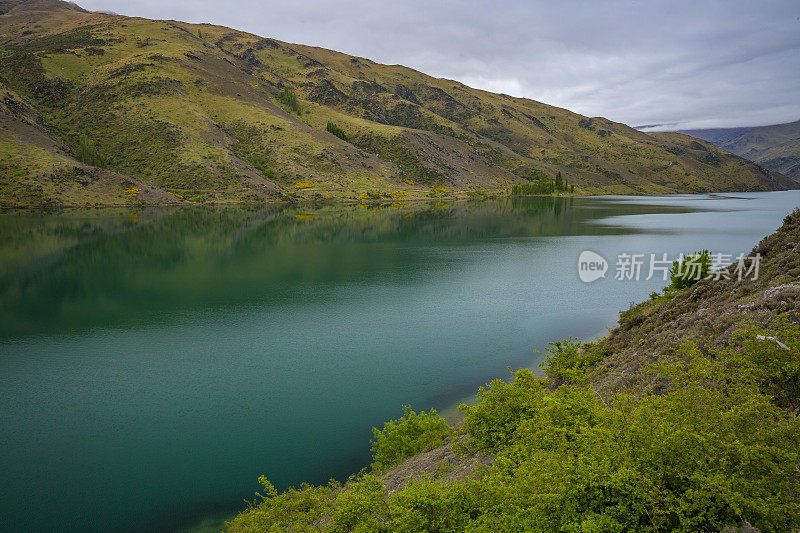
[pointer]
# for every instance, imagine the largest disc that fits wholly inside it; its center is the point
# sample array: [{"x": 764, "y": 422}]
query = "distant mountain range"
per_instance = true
[
  {"x": 99, "y": 109},
  {"x": 776, "y": 147}
]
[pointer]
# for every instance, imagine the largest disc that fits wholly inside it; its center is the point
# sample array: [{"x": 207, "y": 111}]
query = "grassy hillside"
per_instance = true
[
  {"x": 685, "y": 418},
  {"x": 100, "y": 108},
  {"x": 776, "y": 147}
]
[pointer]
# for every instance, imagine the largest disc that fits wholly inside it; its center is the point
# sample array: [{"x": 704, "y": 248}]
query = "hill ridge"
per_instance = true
[
  {"x": 775, "y": 146},
  {"x": 204, "y": 113}
]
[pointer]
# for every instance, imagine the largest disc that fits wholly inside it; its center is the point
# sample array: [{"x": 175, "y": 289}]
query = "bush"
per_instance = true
[
  {"x": 293, "y": 510},
  {"x": 711, "y": 452},
  {"x": 411, "y": 434},
  {"x": 87, "y": 153},
  {"x": 690, "y": 269},
  {"x": 289, "y": 99},
  {"x": 336, "y": 130},
  {"x": 429, "y": 506},
  {"x": 772, "y": 359},
  {"x": 501, "y": 407},
  {"x": 261, "y": 164},
  {"x": 567, "y": 361},
  {"x": 362, "y": 508}
]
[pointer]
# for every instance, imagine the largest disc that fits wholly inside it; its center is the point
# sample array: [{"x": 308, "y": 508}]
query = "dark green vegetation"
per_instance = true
[
  {"x": 336, "y": 130},
  {"x": 776, "y": 147},
  {"x": 147, "y": 111},
  {"x": 289, "y": 99},
  {"x": 653, "y": 428},
  {"x": 542, "y": 186},
  {"x": 689, "y": 269},
  {"x": 535, "y": 187},
  {"x": 412, "y": 434}
]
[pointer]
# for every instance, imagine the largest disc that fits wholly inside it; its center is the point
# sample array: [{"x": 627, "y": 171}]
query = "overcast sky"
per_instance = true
[{"x": 680, "y": 64}]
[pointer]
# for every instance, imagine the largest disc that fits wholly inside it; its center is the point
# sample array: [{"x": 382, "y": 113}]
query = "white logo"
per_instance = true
[{"x": 591, "y": 266}]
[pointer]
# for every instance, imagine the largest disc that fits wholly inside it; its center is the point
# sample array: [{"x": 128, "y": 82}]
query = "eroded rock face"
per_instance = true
[{"x": 405, "y": 93}]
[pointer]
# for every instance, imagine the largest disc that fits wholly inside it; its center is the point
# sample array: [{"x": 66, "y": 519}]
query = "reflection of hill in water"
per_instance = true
[{"x": 74, "y": 269}]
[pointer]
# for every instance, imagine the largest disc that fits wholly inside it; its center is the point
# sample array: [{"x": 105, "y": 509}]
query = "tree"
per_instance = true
[
  {"x": 559, "y": 181},
  {"x": 289, "y": 99},
  {"x": 86, "y": 152},
  {"x": 336, "y": 130},
  {"x": 690, "y": 269}
]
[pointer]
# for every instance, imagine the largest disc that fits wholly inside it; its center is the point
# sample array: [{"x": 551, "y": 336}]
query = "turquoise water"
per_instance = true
[{"x": 154, "y": 363}]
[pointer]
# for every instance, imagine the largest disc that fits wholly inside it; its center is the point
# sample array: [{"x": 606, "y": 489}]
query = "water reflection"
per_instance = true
[{"x": 74, "y": 269}]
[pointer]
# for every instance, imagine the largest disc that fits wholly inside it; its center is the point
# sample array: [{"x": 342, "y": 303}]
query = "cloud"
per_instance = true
[{"x": 683, "y": 63}]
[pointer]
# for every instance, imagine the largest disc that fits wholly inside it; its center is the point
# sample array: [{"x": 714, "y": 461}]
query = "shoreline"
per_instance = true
[
  {"x": 351, "y": 202},
  {"x": 314, "y": 201},
  {"x": 454, "y": 416}
]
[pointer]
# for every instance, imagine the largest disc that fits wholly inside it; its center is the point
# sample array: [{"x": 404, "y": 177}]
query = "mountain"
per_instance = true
[
  {"x": 97, "y": 108},
  {"x": 776, "y": 147}
]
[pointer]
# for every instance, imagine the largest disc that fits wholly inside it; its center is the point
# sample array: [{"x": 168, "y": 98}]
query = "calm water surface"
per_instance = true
[{"x": 154, "y": 363}]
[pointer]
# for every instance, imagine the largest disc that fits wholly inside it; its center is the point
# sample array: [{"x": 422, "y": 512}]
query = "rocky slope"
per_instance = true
[
  {"x": 102, "y": 109},
  {"x": 710, "y": 312}
]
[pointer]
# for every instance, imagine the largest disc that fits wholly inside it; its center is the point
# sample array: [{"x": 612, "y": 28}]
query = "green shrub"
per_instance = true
[
  {"x": 287, "y": 97},
  {"x": 709, "y": 453},
  {"x": 336, "y": 130},
  {"x": 501, "y": 407},
  {"x": 690, "y": 269},
  {"x": 772, "y": 359},
  {"x": 567, "y": 361},
  {"x": 409, "y": 435},
  {"x": 261, "y": 164},
  {"x": 430, "y": 506},
  {"x": 292, "y": 510},
  {"x": 362, "y": 508},
  {"x": 85, "y": 152}
]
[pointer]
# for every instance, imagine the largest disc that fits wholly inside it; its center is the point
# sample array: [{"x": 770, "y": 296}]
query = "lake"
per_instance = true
[{"x": 155, "y": 362}]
